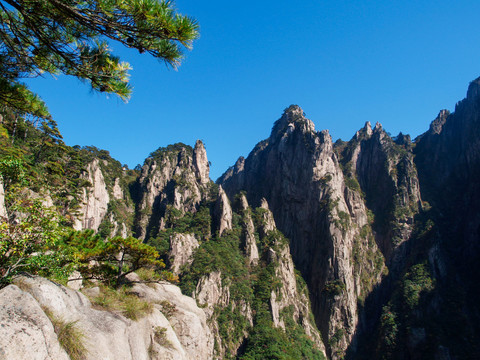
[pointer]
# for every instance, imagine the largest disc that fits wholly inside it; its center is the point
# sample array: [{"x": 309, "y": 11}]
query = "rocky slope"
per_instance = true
[{"x": 38, "y": 317}]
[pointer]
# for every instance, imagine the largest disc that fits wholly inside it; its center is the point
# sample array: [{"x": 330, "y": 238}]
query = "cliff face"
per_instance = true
[
  {"x": 299, "y": 173},
  {"x": 105, "y": 203},
  {"x": 174, "y": 177}
]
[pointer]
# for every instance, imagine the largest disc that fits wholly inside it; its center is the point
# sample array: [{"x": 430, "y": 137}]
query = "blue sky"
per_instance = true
[{"x": 343, "y": 62}]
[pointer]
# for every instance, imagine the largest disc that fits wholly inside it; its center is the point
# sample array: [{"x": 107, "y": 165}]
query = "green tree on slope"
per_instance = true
[{"x": 71, "y": 37}]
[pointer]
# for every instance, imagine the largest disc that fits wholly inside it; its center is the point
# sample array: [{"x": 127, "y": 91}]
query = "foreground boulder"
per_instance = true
[{"x": 34, "y": 313}]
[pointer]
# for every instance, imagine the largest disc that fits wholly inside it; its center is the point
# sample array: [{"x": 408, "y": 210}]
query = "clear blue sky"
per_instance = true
[{"x": 343, "y": 62}]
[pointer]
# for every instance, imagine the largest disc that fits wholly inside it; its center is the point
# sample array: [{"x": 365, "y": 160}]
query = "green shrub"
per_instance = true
[
  {"x": 70, "y": 337},
  {"x": 160, "y": 336},
  {"x": 123, "y": 302},
  {"x": 334, "y": 287}
]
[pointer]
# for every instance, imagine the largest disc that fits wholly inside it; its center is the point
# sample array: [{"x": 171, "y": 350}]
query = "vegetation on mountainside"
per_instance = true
[
  {"x": 43, "y": 180},
  {"x": 30, "y": 239},
  {"x": 248, "y": 285},
  {"x": 402, "y": 318},
  {"x": 112, "y": 260},
  {"x": 33, "y": 155}
]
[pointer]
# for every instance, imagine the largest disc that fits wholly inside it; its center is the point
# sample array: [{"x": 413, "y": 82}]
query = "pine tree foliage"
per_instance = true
[{"x": 72, "y": 37}]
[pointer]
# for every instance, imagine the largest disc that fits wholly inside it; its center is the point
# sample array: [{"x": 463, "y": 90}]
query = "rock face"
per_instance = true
[
  {"x": 182, "y": 247},
  {"x": 384, "y": 170},
  {"x": 25, "y": 325},
  {"x": 290, "y": 296},
  {"x": 250, "y": 242},
  {"x": 211, "y": 293},
  {"x": 298, "y": 172},
  {"x": 3, "y": 210},
  {"x": 200, "y": 163},
  {"x": 175, "y": 177},
  {"x": 105, "y": 205},
  {"x": 94, "y": 200},
  {"x": 223, "y": 212},
  {"x": 28, "y": 309}
]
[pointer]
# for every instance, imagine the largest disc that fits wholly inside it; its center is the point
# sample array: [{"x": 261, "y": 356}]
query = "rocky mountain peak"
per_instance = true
[
  {"x": 365, "y": 132},
  {"x": 293, "y": 118},
  {"x": 437, "y": 125},
  {"x": 378, "y": 127},
  {"x": 473, "y": 89}
]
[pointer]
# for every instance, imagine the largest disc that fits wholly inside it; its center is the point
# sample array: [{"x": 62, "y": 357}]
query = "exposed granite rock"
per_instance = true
[
  {"x": 3, "y": 210},
  {"x": 211, "y": 293},
  {"x": 187, "y": 320},
  {"x": 182, "y": 247},
  {"x": 94, "y": 199},
  {"x": 250, "y": 242},
  {"x": 223, "y": 212},
  {"x": 385, "y": 171},
  {"x": 107, "y": 335},
  {"x": 25, "y": 331},
  {"x": 117, "y": 190},
  {"x": 289, "y": 295},
  {"x": 268, "y": 222},
  {"x": 175, "y": 176},
  {"x": 200, "y": 162},
  {"x": 297, "y": 171}
]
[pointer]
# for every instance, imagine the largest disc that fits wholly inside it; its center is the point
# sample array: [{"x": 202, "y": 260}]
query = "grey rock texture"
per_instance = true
[
  {"x": 289, "y": 295},
  {"x": 182, "y": 247},
  {"x": 177, "y": 177},
  {"x": 211, "y": 293},
  {"x": 3, "y": 210},
  {"x": 200, "y": 162},
  {"x": 298, "y": 173},
  {"x": 25, "y": 331},
  {"x": 250, "y": 242},
  {"x": 223, "y": 212},
  {"x": 106, "y": 335},
  {"x": 387, "y": 175},
  {"x": 94, "y": 200}
]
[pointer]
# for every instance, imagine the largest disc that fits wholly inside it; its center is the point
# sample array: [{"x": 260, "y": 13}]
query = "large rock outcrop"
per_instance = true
[
  {"x": 182, "y": 247},
  {"x": 223, "y": 212},
  {"x": 173, "y": 177},
  {"x": 298, "y": 172},
  {"x": 31, "y": 306},
  {"x": 95, "y": 199}
]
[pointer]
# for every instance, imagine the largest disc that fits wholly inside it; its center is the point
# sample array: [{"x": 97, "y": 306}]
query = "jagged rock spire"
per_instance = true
[
  {"x": 251, "y": 249},
  {"x": 200, "y": 162},
  {"x": 223, "y": 212},
  {"x": 293, "y": 118},
  {"x": 473, "y": 89},
  {"x": 437, "y": 125}
]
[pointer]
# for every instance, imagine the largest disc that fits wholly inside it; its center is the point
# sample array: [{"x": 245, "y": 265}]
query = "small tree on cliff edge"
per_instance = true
[{"x": 70, "y": 37}]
